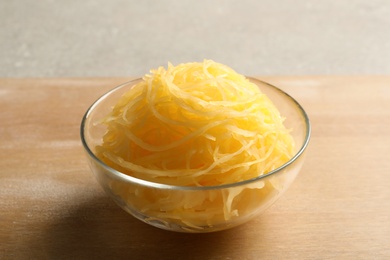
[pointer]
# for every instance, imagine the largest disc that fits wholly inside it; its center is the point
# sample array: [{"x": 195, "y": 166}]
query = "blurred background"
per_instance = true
[{"x": 48, "y": 38}]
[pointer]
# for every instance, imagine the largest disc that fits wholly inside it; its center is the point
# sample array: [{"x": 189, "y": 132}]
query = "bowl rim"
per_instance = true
[{"x": 130, "y": 179}]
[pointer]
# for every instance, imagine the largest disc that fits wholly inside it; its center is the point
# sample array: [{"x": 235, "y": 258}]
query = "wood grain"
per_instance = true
[{"x": 52, "y": 208}]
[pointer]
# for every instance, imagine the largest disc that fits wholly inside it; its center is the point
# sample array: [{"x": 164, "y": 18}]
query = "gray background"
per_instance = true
[{"x": 51, "y": 38}]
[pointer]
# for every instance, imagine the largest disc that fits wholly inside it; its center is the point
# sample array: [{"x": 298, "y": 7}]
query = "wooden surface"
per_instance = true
[{"x": 51, "y": 207}]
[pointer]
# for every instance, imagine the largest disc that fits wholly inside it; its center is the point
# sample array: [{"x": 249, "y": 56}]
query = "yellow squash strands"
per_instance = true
[{"x": 196, "y": 124}]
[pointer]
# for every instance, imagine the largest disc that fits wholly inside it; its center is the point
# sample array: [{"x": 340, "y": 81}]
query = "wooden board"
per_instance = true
[{"x": 51, "y": 207}]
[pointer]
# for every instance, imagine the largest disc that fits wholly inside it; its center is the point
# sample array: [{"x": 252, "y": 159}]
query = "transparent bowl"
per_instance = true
[{"x": 195, "y": 209}]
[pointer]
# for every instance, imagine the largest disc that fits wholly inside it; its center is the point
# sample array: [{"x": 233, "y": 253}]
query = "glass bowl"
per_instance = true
[{"x": 195, "y": 209}]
